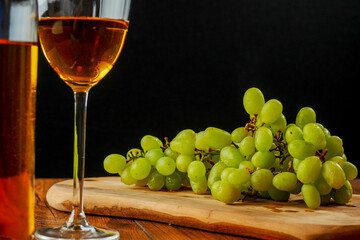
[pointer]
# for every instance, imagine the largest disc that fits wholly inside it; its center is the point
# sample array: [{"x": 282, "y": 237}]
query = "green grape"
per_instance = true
[
  {"x": 322, "y": 185},
  {"x": 196, "y": 170},
  {"x": 343, "y": 194},
  {"x": 200, "y": 142},
  {"x": 247, "y": 165},
  {"x": 171, "y": 153},
  {"x": 304, "y": 116},
  {"x": 126, "y": 177},
  {"x": 248, "y": 159},
  {"x": 215, "y": 189},
  {"x": 199, "y": 187},
  {"x": 185, "y": 180},
  {"x": 271, "y": 111},
  {"x": 350, "y": 170},
  {"x": 225, "y": 192},
  {"x": 154, "y": 154},
  {"x": 293, "y": 133},
  {"x": 246, "y": 187},
  {"x": 281, "y": 165},
  {"x": 325, "y": 130},
  {"x": 274, "y": 148},
  {"x": 207, "y": 163},
  {"x": 300, "y": 149},
  {"x": 114, "y": 163},
  {"x": 263, "y": 139},
  {"x": 295, "y": 164},
  {"x": 341, "y": 152},
  {"x": 287, "y": 127},
  {"x": 143, "y": 182},
  {"x": 239, "y": 134},
  {"x": 166, "y": 166},
  {"x": 253, "y": 101},
  {"x": 140, "y": 168},
  {"x": 156, "y": 181},
  {"x": 264, "y": 194},
  {"x": 183, "y": 161},
  {"x": 309, "y": 169},
  {"x": 311, "y": 196},
  {"x": 215, "y": 158},
  {"x": 183, "y": 145},
  {"x": 278, "y": 195},
  {"x": 247, "y": 146},
  {"x": 226, "y": 172},
  {"x": 173, "y": 181},
  {"x": 263, "y": 159},
  {"x": 279, "y": 125},
  {"x": 187, "y": 133},
  {"x": 334, "y": 146},
  {"x": 182, "y": 174},
  {"x": 238, "y": 176},
  {"x": 261, "y": 180},
  {"x": 217, "y": 138},
  {"x": 231, "y": 156},
  {"x": 215, "y": 173},
  {"x": 150, "y": 142},
  {"x": 333, "y": 174},
  {"x": 325, "y": 199},
  {"x": 339, "y": 160},
  {"x": 260, "y": 123},
  {"x": 134, "y": 152},
  {"x": 327, "y": 133},
  {"x": 285, "y": 181},
  {"x": 313, "y": 134},
  {"x": 297, "y": 189}
]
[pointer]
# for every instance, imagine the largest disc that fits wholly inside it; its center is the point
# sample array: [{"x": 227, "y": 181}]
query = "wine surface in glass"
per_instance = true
[
  {"x": 82, "y": 50},
  {"x": 18, "y": 77}
]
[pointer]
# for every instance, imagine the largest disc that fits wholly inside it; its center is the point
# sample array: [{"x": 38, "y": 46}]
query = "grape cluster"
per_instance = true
[{"x": 266, "y": 158}]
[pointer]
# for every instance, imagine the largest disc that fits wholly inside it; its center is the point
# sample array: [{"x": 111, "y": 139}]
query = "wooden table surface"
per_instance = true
[{"x": 46, "y": 216}]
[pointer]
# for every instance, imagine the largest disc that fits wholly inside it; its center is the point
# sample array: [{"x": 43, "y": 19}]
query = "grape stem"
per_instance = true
[
  {"x": 322, "y": 154},
  {"x": 131, "y": 156},
  {"x": 167, "y": 143},
  {"x": 251, "y": 126},
  {"x": 206, "y": 156},
  {"x": 284, "y": 157},
  {"x": 250, "y": 171},
  {"x": 234, "y": 144},
  {"x": 290, "y": 164},
  {"x": 243, "y": 196}
]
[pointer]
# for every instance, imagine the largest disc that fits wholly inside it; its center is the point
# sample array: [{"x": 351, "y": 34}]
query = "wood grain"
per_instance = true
[
  {"x": 129, "y": 229},
  {"x": 162, "y": 230},
  {"x": 258, "y": 218},
  {"x": 46, "y": 216}
]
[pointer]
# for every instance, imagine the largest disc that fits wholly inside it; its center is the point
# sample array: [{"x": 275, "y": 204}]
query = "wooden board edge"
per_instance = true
[
  {"x": 221, "y": 227},
  {"x": 347, "y": 232}
]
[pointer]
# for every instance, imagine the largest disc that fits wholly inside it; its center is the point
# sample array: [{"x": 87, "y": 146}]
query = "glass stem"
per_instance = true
[{"x": 77, "y": 219}]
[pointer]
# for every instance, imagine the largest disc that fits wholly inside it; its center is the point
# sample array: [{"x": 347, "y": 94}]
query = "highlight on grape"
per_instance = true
[{"x": 265, "y": 158}]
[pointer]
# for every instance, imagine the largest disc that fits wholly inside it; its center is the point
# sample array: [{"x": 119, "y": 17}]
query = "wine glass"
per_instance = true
[{"x": 81, "y": 39}]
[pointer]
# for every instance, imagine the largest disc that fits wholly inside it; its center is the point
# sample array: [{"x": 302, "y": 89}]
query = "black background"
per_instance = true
[{"x": 187, "y": 64}]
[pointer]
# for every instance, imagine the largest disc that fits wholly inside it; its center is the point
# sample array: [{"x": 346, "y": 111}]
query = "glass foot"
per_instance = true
[{"x": 82, "y": 232}]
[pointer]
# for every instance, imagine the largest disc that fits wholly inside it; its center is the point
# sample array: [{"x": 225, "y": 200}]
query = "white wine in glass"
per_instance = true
[
  {"x": 81, "y": 39},
  {"x": 18, "y": 80}
]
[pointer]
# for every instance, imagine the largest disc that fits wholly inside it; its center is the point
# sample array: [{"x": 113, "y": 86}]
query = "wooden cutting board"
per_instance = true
[{"x": 253, "y": 218}]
